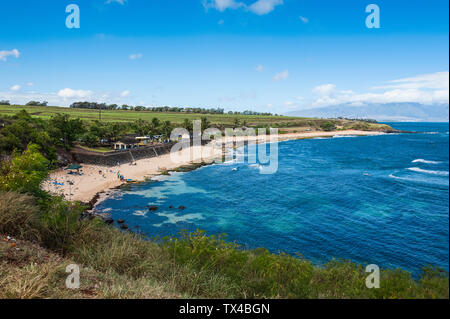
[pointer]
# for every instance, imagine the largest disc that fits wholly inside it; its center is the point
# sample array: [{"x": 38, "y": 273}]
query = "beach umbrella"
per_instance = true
[{"x": 74, "y": 166}]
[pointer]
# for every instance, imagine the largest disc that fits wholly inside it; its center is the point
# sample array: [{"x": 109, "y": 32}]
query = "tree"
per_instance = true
[
  {"x": 25, "y": 172},
  {"x": 142, "y": 127},
  {"x": 187, "y": 125},
  {"x": 36, "y": 103},
  {"x": 64, "y": 130},
  {"x": 328, "y": 126},
  {"x": 205, "y": 123},
  {"x": 89, "y": 139},
  {"x": 21, "y": 130},
  {"x": 166, "y": 129},
  {"x": 4, "y": 102}
]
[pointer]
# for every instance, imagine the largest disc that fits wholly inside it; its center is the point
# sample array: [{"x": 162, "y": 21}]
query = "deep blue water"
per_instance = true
[{"x": 379, "y": 199}]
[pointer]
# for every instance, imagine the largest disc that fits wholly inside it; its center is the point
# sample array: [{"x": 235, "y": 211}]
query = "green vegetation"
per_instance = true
[
  {"x": 328, "y": 126},
  {"x": 46, "y": 112},
  {"x": 54, "y": 128}
]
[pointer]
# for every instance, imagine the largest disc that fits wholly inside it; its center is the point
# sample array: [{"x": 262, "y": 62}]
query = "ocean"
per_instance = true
[{"x": 374, "y": 200}]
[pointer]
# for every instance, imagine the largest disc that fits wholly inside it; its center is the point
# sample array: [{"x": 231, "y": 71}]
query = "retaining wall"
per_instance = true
[{"x": 119, "y": 157}]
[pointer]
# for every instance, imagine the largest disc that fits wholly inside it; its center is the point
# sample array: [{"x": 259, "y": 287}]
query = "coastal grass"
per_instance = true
[{"x": 118, "y": 264}]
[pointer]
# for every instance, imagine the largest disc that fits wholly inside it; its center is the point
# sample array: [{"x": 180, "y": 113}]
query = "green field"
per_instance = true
[{"x": 46, "y": 112}]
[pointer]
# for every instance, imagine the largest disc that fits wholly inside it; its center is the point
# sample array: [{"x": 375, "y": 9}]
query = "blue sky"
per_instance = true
[{"x": 266, "y": 55}]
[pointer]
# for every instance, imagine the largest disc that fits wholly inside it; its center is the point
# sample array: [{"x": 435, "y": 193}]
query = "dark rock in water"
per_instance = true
[
  {"x": 108, "y": 220},
  {"x": 182, "y": 207},
  {"x": 170, "y": 206},
  {"x": 124, "y": 226},
  {"x": 153, "y": 208},
  {"x": 120, "y": 221}
]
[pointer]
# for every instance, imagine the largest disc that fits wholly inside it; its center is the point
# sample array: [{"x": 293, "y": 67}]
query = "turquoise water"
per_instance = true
[{"x": 376, "y": 199}]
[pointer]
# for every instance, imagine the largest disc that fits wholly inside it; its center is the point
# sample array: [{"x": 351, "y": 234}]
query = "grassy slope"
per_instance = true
[
  {"x": 28, "y": 270},
  {"x": 178, "y": 118},
  {"x": 127, "y": 116}
]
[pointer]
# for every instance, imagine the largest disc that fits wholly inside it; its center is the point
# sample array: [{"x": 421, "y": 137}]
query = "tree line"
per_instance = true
[{"x": 160, "y": 109}]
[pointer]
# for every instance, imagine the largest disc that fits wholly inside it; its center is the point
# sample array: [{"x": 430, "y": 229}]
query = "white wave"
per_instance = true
[
  {"x": 419, "y": 170},
  {"x": 342, "y": 136},
  {"x": 396, "y": 177},
  {"x": 421, "y": 160},
  {"x": 141, "y": 213}
]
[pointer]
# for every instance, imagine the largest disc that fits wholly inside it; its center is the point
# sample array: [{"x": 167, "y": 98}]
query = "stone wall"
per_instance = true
[{"x": 119, "y": 157}]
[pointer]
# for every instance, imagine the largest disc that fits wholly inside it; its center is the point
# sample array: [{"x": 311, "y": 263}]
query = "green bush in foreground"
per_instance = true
[
  {"x": 194, "y": 265},
  {"x": 258, "y": 273}
]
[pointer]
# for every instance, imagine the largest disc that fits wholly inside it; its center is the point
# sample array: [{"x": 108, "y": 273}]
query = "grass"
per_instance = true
[
  {"x": 116, "y": 264},
  {"x": 287, "y": 123},
  {"x": 46, "y": 112},
  {"x": 96, "y": 149}
]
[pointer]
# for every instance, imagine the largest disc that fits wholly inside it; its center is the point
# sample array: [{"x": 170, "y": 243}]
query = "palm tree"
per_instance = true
[
  {"x": 205, "y": 123},
  {"x": 187, "y": 125},
  {"x": 166, "y": 129}
]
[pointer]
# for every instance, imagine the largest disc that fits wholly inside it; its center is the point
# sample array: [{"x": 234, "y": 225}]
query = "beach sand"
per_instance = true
[{"x": 96, "y": 179}]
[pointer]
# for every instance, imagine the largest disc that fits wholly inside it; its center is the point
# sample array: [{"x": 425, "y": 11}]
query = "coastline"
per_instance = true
[{"x": 97, "y": 181}]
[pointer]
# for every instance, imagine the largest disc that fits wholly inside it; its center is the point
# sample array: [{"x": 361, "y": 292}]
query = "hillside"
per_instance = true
[
  {"x": 225, "y": 120},
  {"x": 46, "y": 112},
  {"x": 389, "y": 112}
]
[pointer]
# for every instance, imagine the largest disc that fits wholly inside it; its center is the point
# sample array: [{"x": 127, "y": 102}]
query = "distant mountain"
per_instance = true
[{"x": 401, "y": 112}]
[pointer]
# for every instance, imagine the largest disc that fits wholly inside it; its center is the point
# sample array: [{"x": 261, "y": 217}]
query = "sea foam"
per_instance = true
[
  {"x": 420, "y": 160},
  {"x": 425, "y": 171}
]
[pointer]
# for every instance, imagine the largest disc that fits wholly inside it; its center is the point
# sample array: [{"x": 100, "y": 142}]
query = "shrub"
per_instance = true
[
  {"x": 328, "y": 126},
  {"x": 61, "y": 223},
  {"x": 25, "y": 172},
  {"x": 19, "y": 216}
]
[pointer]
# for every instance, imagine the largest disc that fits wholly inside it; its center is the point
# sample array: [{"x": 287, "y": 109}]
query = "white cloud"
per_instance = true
[
  {"x": 5, "y": 54},
  {"x": 70, "y": 93},
  {"x": 262, "y": 7},
  {"x": 125, "y": 93},
  {"x": 304, "y": 19},
  {"x": 30, "y": 84},
  {"x": 425, "y": 89},
  {"x": 259, "y": 7},
  {"x": 122, "y": 2},
  {"x": 438, "y": 80},
  {"x": 259, "y": 68},
  {"x": 222, "y": 5},
  {"x": 325, "y": 89},
  {"x": 135, "y": 56},
  {"x": 15, "y": 87},
  {"x": 281, "y": 76}
]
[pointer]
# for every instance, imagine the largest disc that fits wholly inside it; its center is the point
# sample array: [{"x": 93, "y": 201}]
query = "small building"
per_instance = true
[{"x": 126, "y": 143}]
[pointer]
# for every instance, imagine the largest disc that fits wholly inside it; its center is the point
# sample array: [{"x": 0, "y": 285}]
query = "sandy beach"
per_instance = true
[{"x": 96, "y": 179}]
